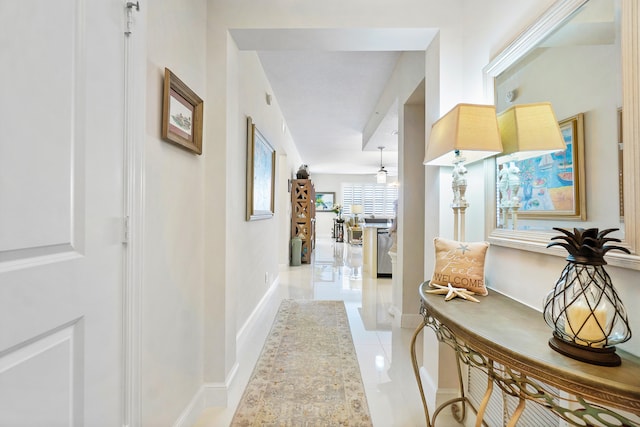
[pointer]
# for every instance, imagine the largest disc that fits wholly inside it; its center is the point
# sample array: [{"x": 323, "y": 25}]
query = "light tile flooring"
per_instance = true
[{"x": 335, "y": 273}]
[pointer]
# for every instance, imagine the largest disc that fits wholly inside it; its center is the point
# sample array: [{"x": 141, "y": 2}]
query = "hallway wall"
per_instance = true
[
  {"x": 535, "y": 273},
  {"x": 255, "y": 243},
  {"x": 204, "y": 265},
  {"x": 223, "y": 293},
  {"x": 172, "y": 309}
]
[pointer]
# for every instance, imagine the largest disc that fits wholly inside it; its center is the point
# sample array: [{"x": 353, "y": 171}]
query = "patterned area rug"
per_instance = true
[{"x": 307, "y": 374}]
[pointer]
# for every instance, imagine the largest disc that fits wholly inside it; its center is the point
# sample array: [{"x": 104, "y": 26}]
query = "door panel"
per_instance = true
[
  {"x": 39, "y": 111},
  {"x": 61, "y": 204},
  {"x": 41, "y": 371}
]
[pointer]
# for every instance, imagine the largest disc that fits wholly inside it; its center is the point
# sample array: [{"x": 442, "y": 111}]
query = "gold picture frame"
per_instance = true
[
  {"x": 181, "y": 114},
  {"x": 553, "y": 185},
  {"x": 620, "y": 164},
  {"x": 261, "y": 175}
]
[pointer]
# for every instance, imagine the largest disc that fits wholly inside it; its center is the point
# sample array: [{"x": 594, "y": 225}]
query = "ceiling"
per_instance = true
[{"x": 327, "y": 83}]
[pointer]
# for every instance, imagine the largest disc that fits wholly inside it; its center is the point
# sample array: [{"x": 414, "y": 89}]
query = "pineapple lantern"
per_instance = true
[{"x": 584, "y": 310}]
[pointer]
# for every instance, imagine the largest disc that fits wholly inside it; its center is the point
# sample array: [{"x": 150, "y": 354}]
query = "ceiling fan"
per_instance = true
[{"x": 381, "y": 176}]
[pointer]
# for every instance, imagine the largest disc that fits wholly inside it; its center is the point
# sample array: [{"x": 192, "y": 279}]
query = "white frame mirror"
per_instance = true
[{"x": 537, "y": 241}]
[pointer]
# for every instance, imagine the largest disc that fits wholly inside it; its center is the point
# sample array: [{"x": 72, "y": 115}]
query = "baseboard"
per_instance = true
[
  {"x": 395, "y": 311},
  {"x": 254, "y": 318},
  {"x": 430, "y": 388},
  {"x": 192, "y": 412},
  {"x": 217, "y": 394},
  {"x": 446, "y": 417},
  {"x": 211, "y": 395},
  {"x": 408, "y": 321},
  {"x": 436, "y": 396}
]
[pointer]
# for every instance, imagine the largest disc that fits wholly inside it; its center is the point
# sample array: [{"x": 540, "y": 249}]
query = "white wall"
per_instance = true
[
  {"x": 535, "y": 274},
  {"x": 253, "y": 243},
  {"x": 486, "y": 28},
  {"x": 222, "y": 286},
  {"x": 172, "y": 329},
  {"x": 411, "y": 209},
  {"x": 197, "y": 289},
  {"x": 579, "y": 79},
  {"x": 194, "y": 267},
  {"x": 406, "y": 91},
  {"x": 525, "y": 276}
]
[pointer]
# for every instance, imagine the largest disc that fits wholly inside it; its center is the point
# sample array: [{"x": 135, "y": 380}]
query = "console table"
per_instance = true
[{"x": 508, "y": 341}]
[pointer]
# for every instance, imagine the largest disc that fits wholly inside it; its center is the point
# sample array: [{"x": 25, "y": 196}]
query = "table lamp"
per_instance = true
[
  {"x": 468, "y": 129},
  {"x": 527, "y": 131},
  {"x": 357, "y": 210}
]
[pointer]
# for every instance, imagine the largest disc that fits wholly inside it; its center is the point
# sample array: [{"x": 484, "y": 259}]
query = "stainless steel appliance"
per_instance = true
[{"x": 384, "y": 260}]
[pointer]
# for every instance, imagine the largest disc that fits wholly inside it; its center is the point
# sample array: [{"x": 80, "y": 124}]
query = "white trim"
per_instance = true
[
  {"x": 258, "y": 312},
  {"x": 430, "y": 389},
  {"x": 526, "y": 41},
  {"x": 192, "y": 412},
  {"x": 631, "y": 123},
  {"x": 217, "y": 394},
  {"x": 395, "y": 311},
  {"x": 35, "y": 257},
  {"x": 133, "y": 209},
  {"x": 446, "y": 417},
  {"x": 436, "y": 396},
  {"x": 209, "y": 395}
]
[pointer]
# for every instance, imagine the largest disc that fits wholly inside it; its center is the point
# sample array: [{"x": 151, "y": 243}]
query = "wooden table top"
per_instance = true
[{"x": 516, "y": 335}]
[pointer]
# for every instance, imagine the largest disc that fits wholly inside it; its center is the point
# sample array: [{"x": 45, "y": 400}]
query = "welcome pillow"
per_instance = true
[{"x": 461, "y": 264}]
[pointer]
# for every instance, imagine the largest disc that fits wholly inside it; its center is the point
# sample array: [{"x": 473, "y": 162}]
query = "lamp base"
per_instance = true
[{"x": 596, "y": 356}]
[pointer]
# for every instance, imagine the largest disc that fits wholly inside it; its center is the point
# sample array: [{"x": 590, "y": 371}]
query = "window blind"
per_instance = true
[{"x": 377, "y": 199}]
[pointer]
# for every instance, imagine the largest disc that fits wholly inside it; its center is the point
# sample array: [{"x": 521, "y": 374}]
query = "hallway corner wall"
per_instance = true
[
  {"x": 173, "y": 259},
  {"x": 254, "y": 243}
]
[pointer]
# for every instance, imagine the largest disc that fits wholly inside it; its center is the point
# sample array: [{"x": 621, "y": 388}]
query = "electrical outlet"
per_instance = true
[{"x": 266, "y": 277}]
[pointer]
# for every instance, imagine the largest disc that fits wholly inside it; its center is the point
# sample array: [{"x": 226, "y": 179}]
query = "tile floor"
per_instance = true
[{"x": 335, "y": 273}]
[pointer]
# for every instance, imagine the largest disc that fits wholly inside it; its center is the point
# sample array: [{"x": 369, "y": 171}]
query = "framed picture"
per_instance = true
[
  {"x": 552, "y": 185},
  {"x": 261, "y": 173},
  {"x": 181, "y": 114},
  {"x": 325, "y": 201}
]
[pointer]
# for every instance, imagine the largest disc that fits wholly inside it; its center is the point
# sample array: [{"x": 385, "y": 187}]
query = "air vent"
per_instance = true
[{"x": 502, "y": 405}]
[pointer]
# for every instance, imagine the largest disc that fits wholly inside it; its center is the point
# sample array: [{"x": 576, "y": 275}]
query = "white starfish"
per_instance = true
[{"x": 452, "y": 292}]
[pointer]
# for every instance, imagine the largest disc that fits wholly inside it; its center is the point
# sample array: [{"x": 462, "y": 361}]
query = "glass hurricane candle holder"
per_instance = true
[{"x": 583, "y": 309}]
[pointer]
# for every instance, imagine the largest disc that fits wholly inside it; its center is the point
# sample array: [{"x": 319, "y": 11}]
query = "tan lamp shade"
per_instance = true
[
  {"x": 357, "y": 209},
  {"x": 529, "y": 130},
  {"x": 468, "y": 128}
]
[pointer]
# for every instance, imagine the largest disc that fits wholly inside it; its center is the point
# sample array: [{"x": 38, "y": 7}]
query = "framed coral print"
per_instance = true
[
  {"x": 261, "y": 173},
  {"x": 181, "y": 114},
  {"x": 552, "y": 185}
]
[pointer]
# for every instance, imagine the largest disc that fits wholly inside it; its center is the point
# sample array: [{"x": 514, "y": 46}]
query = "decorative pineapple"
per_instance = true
[{"x": 584, "y": 310}]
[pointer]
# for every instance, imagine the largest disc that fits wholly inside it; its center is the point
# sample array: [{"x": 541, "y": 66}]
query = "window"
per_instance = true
[{"x": 377, "y": 199}]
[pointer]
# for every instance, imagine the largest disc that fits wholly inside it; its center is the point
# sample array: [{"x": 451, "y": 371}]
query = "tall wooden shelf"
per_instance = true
[{"x": 303, "y": 215}]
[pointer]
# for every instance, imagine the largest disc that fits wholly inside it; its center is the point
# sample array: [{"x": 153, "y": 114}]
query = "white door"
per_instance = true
[{"x": 61, "y": 201}]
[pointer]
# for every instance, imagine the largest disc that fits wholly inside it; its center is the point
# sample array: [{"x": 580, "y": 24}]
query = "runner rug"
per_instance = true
[{"x": 307, "y": 374}]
